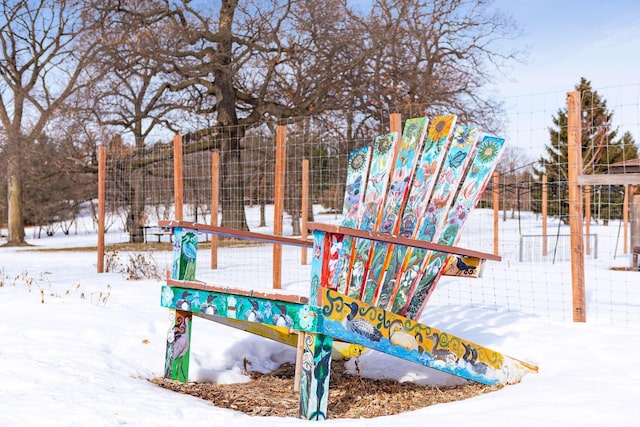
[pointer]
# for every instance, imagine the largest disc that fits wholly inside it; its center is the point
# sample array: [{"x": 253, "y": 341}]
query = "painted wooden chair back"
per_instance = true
[{"x": 422, "y": 186}]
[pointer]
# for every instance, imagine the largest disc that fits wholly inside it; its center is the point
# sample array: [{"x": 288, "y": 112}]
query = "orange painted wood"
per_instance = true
[
  {"x": 304, "y": 217},
  {"x": 235, "y": 233},
  {"x": 545, "y": 205},
  {"x": 395, "y": 124},
  {"x": 387, "y": 238},
  {"x": 574, "y": 128},
  {"x": 278, "y": 201},
  {"x": 496, "y": 207},
  {"x": 625, "y": 220},
  {"x": 215, "y": 192},
  {"x": 177, "y": 176},
  {"x": 102, "y": 179},
  {"x": 587, "y": 218}
]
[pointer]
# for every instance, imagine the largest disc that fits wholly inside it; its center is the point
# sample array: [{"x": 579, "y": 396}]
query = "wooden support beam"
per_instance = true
[
  {"x": 278, "y": 201},
  {"x": 610, "y": 179},
  {"x": 304, "y": 217},
  {"x": 395, "y": 124},
  {"x": 625, "y": 221},
  {"x": 102, "y": 179},
  {"x": 575, "y": 205},
  {"x": 496, "y": 213},
  {"x": 587, "y": 218},
  {"x": 215, "y": 193},
  {"x": 545, "y": 205},
  {"x": 177, "y": 177}
]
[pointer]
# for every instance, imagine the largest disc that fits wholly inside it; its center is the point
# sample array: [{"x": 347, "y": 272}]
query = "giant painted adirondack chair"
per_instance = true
[{"x": 406, "y": 201}]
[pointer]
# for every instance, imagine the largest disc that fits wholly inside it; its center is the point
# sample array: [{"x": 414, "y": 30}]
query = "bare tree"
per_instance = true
[
  {"x": 134, "y": 96},
  {"x": 41, "y": 66}
]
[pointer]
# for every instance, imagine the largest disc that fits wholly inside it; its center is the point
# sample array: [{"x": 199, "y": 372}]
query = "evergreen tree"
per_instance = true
[{"x": 601, "y": 147}]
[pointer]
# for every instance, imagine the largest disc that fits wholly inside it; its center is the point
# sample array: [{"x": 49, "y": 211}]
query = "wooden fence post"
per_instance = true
[
  {"x": 496, "y": 212},
  {"x": 177, "y": 176},
  {"x": 574, "y": 130},
  {"x": 625, "y": 220},
  {"x": 304, "y": 217},
  {"x": 102, "y": 179},
  {"x": 395, "y": 124},
  {"x": 215, "y": 192},
  {"x": 545, "y": 205},
  {"x": 278, "y": 202},
  {"x": 587, "y": 218}
]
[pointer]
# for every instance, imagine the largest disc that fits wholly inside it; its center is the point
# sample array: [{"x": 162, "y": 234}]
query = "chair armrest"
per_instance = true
[
  {"x": 238, "y": 234},
  {"x": 402, "y": 241}
]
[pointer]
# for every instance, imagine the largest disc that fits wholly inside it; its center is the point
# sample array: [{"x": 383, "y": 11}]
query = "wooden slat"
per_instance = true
[
  {"x": 371, "y": 235},
  {"x": 610, "y": 179},
  {"x": 238, "y": 234},
  {"x": 272, "y": 295}
]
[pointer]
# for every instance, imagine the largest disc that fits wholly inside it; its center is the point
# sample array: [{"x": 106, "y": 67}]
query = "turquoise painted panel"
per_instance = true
[
  {"x": 260, "y": 310},
  {"x": 185, "y": 247}
]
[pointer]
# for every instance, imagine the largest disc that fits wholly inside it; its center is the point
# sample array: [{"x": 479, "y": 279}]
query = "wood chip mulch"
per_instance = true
[{"x": 350, "y": 396}]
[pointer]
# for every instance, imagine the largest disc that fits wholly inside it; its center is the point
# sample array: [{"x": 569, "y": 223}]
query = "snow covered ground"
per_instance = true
[{"x": 78, "y": 347}]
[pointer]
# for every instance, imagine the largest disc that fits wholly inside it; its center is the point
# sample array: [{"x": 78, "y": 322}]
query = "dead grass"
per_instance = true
[{"x": 350, "y": 396}]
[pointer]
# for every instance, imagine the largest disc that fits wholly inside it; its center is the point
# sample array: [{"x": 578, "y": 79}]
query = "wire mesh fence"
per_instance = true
[{"x": 141, "y": 190}]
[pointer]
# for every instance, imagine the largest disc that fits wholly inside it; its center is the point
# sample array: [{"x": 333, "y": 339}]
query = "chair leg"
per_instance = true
[
  {"x": 314, "y": 381},
  {"x": 176, "y": 364}
]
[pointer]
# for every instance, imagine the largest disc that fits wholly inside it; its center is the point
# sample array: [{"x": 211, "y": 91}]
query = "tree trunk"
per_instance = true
[
  {"x": 136, "y": 218},
  {"x": 15, "y": 207},
  {"x": 233, "y": 215},
  {"x": 233, "y": 190}
]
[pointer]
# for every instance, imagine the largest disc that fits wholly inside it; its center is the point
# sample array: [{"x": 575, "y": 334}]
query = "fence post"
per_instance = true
[
  {"x": 545, "y": 204},
  {"x": 496, "y": 212},
  {"x": 574, "y": 131},
  {"x": 102, "y": 179},
  {"x": 625, "y": 220},
  {"x": 395, "y": 123},
  {"x": 304, "y": 217},
  {"x": 587, "y": 218},
  {"x": 278, "y": 202},
  {"x": 215, "y": 191},
  {"x": 177, "y": 176}
]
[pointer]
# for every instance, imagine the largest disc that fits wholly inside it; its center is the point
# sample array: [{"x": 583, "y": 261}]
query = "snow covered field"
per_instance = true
[{"x": 78, "y": 347}]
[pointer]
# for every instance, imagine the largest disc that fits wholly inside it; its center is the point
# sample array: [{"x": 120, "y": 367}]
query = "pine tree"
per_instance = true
[{"x": 600, "y": 148}]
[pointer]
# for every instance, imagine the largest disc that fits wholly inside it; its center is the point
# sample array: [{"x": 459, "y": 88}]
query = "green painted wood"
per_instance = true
[
  {"x": 178, "y": 346},
  {"x": 314, "y": 381},
  {"x": 185, "y": 247}
]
